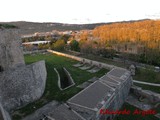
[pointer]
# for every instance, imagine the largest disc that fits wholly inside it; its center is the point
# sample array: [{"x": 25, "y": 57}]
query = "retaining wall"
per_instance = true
[
  {"x": 151, "y": 96},
  {"x": 10, "y": 51},
  {"x": 98, "y": 64},
  {"x": 69, "y": 78}
]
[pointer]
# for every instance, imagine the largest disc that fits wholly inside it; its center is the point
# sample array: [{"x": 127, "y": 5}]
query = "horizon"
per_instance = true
[
  {"x": 79, "y": 12},
  {"x": 83, "y": 23}
]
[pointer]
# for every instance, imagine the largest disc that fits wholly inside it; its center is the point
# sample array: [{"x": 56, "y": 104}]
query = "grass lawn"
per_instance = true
[
  {"x": 150, "y": 76},
  {"x": 148, "y": 87},
  {"x": 147, "y": 76},
  {"x": 105, "y": 60},
  {"x": 52, "y": 92},
  {"x": 99, "y": 58},
  {"x": 132, "y": 116}
]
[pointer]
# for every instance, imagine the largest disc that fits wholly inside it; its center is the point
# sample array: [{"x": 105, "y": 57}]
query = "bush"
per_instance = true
[
  {"x": 74, "y": 45},
  {"x": 59, "y": 45}
]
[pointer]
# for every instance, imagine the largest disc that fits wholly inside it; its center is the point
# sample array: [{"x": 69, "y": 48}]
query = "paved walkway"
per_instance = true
[
  {"x": 146, "y": 83},
  {"x": 39, "y": 113}
]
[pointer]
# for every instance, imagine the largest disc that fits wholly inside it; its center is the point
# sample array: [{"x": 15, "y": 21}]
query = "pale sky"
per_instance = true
[{"x": 78, "y": 11}]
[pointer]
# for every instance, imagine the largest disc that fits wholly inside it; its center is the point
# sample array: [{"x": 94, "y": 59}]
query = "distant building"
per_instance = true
[
  {"x": 28, "y": 36},
  {"x": 67, "y": 33},
  {"x": 30, "y": 46},
  {"x": 35, "y": 43},
  {"x": 42, "y": 34}
]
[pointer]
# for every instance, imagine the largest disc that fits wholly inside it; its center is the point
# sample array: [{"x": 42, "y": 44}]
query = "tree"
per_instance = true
[
  {"x": 59, "y": 45},
  {"x": 40, "y": 46},
  {"x": 65, "y": 38},
  {"x": 74, "y": 45}
]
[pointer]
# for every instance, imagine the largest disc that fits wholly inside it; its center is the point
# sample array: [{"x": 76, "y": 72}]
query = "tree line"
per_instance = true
[
  {"x": 103, "y": 39},
  {"x": 145, "y": 32}
]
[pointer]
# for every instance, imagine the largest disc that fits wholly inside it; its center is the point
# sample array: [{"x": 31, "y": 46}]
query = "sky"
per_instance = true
[{"x": 78, "y": 11}]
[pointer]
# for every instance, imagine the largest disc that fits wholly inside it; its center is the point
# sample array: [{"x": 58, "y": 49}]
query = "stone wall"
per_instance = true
[
  {"x": 72, "y": 83},
  {"x": 117, "y": 100},
  {"x": 10, "y": 51},
  {"x": 34, "y": 52},
  {"x": 98, "y": 64},
  {"x": 151, "y": 96},
  {"x": 22, "y": 85}
]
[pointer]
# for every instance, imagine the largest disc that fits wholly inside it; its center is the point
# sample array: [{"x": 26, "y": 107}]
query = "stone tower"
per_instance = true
[
  {"x": 10, "y": 53},
  {"x": 20, "y": 84}
]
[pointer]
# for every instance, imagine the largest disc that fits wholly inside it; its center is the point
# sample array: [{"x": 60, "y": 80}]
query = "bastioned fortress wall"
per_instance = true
[
  {"x": 20, "y": 84},
  {"x": 4, "y": 114},
  {"x": 11, "y": 54}
]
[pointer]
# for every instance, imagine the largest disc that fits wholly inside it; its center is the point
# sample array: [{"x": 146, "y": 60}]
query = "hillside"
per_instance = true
[
  {"x": 32, "y": 27},
  {"x": 6, "y": 26}
]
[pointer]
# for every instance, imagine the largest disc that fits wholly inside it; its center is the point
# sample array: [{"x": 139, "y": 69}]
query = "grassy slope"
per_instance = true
[
  {"x": 141, "y": 74},
  {"x": 52, "y": 91},
  {"x": 104, "y": 60},
  {"x": 147, "y": 76},
  {"x": 148, "y": 87}
]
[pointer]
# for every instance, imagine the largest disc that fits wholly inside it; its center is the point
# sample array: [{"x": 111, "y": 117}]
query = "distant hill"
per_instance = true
[
  {"x": 7, "y": 26},
  {"x": 32, "y": 27}
]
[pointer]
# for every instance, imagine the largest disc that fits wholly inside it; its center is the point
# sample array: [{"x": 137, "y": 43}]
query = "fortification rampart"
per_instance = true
[
  {"x": 10, "y": 51},
  {"x": 21, "y": 85}
]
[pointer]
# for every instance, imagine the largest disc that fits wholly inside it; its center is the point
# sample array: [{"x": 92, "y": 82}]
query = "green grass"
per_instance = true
[
  {"x": 148, "y": 87},
  {"x": 132, "y": 116},
  {"x": 147, "y": 76},
  {"x": 52, "y": 92},
  {"x": 100, "y": 59},
  {"x": 105, "y": 60},
  {"x": 150, "y": 76}
]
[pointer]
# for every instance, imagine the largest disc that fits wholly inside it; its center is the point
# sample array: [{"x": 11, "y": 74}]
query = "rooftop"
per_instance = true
[
  {"x": 64, "y": 113},
  {"x": 35, "y": 42},
  {"x": 95, "y": 95},
  {"x": 117, "y": 72},
  {"x": 90, "y": 96}
]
